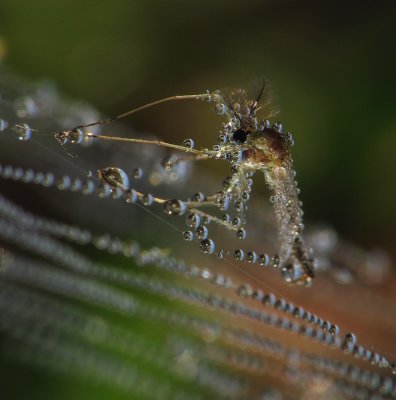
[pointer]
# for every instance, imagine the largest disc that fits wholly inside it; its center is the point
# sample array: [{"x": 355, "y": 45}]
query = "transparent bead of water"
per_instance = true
[
  {"x": 277, "y": 126},
  {"x": 236, "y": 221},
  {"x": 88, "y": 187},
  {"x": 114, "y": 177},
  {"x": 3, "y": 125},
  {"x": 174, "y": 207},
  {"x": 147, "y": 199},
  {"x": 64, "y": 183},
  {"x": 350, "y": 338},
  {"x": 264, "y": 260},
  {"x": 220, "y": 254},
  {"x": 201, "y": 232},
  {"x": 239, "y": 254},
  {"x": 193, "y": 220},
  {"x": 207, "y": 246},
  {"x": 275, "y": 261},
  {"x": 188, "y": 236},
  {"x": 131, "y": 196},
  {"x": 137, "y": 173},
  {"x": 220, "y": 108},
  {"x": 251, "y": 257},
  {"x": 24, "y": 132},
  {"x": 76, "y": 136},
  {"x": 198, "y": 197},
  {"x": 226, "y": 218},
  {"x": 241, "y": 234},
  {"x": 189, "y": 143}
]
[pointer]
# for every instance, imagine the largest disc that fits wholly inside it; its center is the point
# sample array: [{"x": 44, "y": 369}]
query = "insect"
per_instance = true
[{"x": 250, "y": 144}]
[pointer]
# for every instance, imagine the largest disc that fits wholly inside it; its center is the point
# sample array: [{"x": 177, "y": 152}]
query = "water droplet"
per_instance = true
[
  {"x": 207, "y": 246},
  {"x": 334, "y": 330},
  {"x": 275, "y": 261},
  {"x": 24, "y": 132},
  {"x": 280, "y": 304},
  {"x": 147, "y": 199},
  {"x": 201, "y": 232},
  {"x": 189, "y": 143},
  {"x": 64, "y": 183},
  {"x": 236, "y": 221},
  {"x": 241, "y": 233},
  {"x": 167, "y": 163},
  {"x": 245, "y": 290},
  {"x": 198, "y": 197},
  {"x": 76, "y": 185},
  {"x": 269, "y": 300},
  {"x": 188, "y": 236},
  {"x": 3, "y": 125},
  {"x": 264, "y": 260},
  {"x": 75, "y": 136},
  {"x": 174, "y": 207},
  {"x": 251, "y": 256},
  {"x": 350, "y": 338},
  {"x": 114, "y": 177},
  {"x": 88, "y": 187},
  {"x": 193, "y": 220},
  {"x": 220, "y": 108},
  {"x": 137, "y": 173},
  {"x": 277, "y": 126},
  {"x": 239, "y": 254},
  {"x": 220, "y": 254},
  {"x": 226, "y": 218},
  {"x": 131, "y": 196}
]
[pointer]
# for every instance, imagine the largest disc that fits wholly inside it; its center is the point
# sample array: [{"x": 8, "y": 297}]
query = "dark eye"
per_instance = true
[{"x": 240, "y": 136}]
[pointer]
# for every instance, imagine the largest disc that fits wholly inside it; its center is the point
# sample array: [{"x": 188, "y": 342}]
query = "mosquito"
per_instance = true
[{"x": 250, "y": 144}]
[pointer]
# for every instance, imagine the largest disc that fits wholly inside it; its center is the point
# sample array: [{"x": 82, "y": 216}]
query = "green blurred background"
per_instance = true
[{"x": 332, "y": 65}]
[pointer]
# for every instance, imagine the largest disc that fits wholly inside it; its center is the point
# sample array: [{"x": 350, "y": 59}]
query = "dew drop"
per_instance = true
[
  {"x": 264, "y": 260},
  {"x": 24, "y": 132},
  {"x": 251, "y": 257},
  {"x": 241, "y": 233},
  {"x": 350, "y": 338},
  {"x": 114, "y": 177},
  {"x": 220, "y": 108},
  {"x": 245, "y": 290},
  {"x": 207, "y": 246},
  {"x": 236, "y": 221},
  {"x": 76, "y": 136},
  {"x": 226, "y": 218},
  {"x": 188, "y": 236},
  {"x": 64, "y": 183},
  {"x": 174, "y": 207},
  {"x": 198, "y": 197},
  {"x": 3, "y": 125},
  {"x": 220, "y": 254},
  {"x": 275, "y": 261},
  {"x": 147, "y": 199},
  {"x": 88, "y": 187},
  {"x": 269, "y": 300},
  {"x": 201, "y": 232},
  {"x": 277, "y": 127},
  {"x": 131, "y": 196},
  {"x": 239, "y": 254},
  {"x": 167, "y": 163},
  {"x": 193, "y": 220},
  {"x": 189, "y": 143},
  {"x": 137, "y": 173}
]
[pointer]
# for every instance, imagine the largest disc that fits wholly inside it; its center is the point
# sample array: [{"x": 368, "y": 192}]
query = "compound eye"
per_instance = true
[{"x": 240, "y": 136}]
